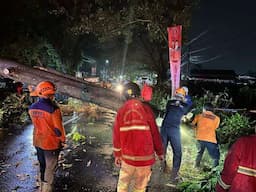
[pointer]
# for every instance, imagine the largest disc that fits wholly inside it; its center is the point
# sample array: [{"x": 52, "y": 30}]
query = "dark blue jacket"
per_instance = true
[{"x": 175, "y": 109}]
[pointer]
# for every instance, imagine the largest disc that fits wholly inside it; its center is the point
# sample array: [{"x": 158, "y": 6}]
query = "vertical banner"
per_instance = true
[{"x": 174, "y": 40}]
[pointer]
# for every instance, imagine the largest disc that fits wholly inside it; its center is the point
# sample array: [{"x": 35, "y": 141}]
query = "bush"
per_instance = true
[
  {"x": 13, "y": 110},
  {"x": 207, "y": 184},
  {"x": 233, "y": 127},
  {"x": 220, "y": 100},
  {"x": 159, "y": 100}
]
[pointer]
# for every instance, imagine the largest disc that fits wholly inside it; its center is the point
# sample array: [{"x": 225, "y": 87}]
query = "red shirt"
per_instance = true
[
  {"x": 135, "y": 134},
  {"x": 146, "y": 92},
  {"x": 239, "y": 172}
]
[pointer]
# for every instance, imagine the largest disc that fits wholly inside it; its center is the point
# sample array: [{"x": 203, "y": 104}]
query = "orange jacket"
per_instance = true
[
  {"x": 48, "y": 132},
  {"x": 136, "y": 138},
  {"x": 207, "y": 123}
]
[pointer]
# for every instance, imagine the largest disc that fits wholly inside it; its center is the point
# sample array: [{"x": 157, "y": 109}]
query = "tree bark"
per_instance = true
[{"x": 66, "y": 84}]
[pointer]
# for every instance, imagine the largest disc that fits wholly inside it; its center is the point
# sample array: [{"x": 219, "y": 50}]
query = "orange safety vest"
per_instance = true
[
  {"x": 207, "y": 123},
  {"x": 48, "y": 132}
]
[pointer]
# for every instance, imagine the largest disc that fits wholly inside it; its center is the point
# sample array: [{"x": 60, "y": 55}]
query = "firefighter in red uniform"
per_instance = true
[
  {"x": 239, "y": 172},
  {"x": 136, "y": 139},
  {"x": 49, "y": 134},
  {"x": 146, "y": 92}
]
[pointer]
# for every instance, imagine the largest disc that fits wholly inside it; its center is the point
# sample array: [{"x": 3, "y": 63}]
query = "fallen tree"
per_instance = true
[{"x": 66, "y": 84}]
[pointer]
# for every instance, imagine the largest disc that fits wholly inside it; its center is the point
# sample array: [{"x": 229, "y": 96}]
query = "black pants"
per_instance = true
[{"x": 48, "y": 161}]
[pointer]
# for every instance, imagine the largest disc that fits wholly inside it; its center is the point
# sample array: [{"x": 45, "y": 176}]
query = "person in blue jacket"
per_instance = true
[{"x": 178, "y": 106}]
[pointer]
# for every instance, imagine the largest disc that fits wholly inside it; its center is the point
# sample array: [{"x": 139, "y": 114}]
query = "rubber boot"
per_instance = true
[
  {"x": 38, "y": 182},
  {"x": 164, "y": 167},
  {"x": 175, "y": 177}
]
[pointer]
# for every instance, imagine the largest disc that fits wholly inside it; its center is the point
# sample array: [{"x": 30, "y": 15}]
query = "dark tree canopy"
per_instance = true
[{"x": 58, "y": 33}]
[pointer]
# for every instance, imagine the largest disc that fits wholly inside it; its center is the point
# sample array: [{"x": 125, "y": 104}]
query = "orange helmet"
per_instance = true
[
  {"x": 180, "y": 92},
  {"x": 45, "y": 88}
]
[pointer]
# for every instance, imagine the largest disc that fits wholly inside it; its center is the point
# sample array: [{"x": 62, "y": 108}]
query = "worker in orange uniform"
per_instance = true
[
  {"x": 136, "y": 139},
  {"x": 239, "y": 169},
  {"x": 205, "y": 131},
  {"x": 49, "y": 134}
]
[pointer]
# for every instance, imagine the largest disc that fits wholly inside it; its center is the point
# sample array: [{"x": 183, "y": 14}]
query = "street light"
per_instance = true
[{"x": 106, "y": 69}]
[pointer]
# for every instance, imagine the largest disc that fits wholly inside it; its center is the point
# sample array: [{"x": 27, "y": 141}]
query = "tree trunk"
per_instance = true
[{"x": 66, "y": 84}]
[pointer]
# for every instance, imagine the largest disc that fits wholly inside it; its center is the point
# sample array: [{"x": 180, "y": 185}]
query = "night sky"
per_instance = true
[{"x": 228, "y": 29}]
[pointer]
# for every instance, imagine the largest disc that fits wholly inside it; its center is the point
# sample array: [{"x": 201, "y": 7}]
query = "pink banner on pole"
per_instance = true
[{"x": 174, "y": 39}]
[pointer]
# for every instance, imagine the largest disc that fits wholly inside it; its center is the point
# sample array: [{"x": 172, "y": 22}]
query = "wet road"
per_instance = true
[
  {"x": 87, "y": 166},
  {"x": 17, "y": 160}
]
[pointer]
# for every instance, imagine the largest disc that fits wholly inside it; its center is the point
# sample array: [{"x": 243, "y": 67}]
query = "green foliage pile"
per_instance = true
[
  {"x": 219, "y": 100},
  {"x": 75, "y": 104},
  {"x": 233, "y": 127},
  {"x": 74, "y": 134},
  {"x": 13, "y": 110},
  {"x": 77, "y": 137},
  {"x": 206, "y": 184}
]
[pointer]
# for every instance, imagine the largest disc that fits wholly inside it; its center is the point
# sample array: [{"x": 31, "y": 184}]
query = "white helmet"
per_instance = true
[{"x": 185, "y": 89}]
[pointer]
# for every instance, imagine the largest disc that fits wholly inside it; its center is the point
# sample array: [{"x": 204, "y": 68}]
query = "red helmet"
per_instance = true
[{"x": 45, "y": 88}]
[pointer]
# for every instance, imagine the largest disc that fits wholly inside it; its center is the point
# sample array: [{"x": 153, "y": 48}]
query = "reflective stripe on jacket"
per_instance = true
[
  {"x": 135, "y": 135},
  {"x": 239, "y": 172},
  {"x": 48, "y": 129}
]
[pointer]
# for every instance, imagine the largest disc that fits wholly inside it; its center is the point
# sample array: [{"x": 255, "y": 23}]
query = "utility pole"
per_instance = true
[{"x": 188, "y": 65}]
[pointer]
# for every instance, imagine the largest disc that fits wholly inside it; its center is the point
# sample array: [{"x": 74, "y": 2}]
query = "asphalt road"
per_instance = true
[{"x": 85, "y": 166}]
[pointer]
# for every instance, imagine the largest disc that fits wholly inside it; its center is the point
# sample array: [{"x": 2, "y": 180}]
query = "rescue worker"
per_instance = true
[
  {"x": 170, "y": 130},
  {"x": 146, "y": 92},
  {"x": 48, "y": 134},
  {"x": 19, "y": 92},
  {"x": 239, "y": 169},
  {"x": 136, "y": 139},
  {"x": 205, "y": 131}
]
